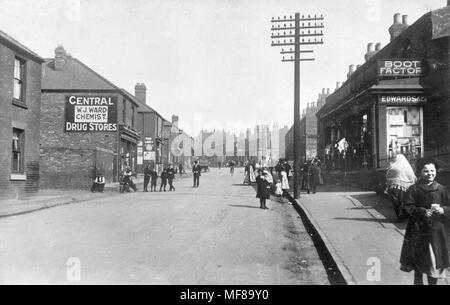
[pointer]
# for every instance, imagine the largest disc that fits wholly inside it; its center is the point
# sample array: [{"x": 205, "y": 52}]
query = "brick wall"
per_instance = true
[
  {"x": 27, "y": 119},
  {"x": 68, "y": 159}
]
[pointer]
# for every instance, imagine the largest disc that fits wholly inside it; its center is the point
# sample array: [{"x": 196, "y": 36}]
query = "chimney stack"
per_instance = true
[
  {"x": 398, "y": 27},
  {"x": 338, "y": 84},
  {"x": 140, "y": 92},
  {"x": 175, "y": 121},
  {"x": 370, "y": 51},
  {"x": 60, "y": 58},
  {"x": 351, "y": 70}
]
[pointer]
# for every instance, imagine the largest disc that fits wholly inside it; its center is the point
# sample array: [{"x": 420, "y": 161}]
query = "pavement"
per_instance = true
[
  {"x": 214, "y": 234},
  {"x": 360, "y": 232},
  {"x": 48, "y": 198}
]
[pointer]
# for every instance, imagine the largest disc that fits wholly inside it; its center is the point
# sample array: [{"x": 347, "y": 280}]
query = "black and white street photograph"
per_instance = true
[{"x": 247, "y": 144}]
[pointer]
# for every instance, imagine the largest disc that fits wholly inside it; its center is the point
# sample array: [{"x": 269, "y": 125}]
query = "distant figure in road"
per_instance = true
[
  {"x": 287, "y": 168},
  {"x": 263, "y": 189},
  {"x": 180, "y": 169},
  {"x": 128, "y": 178},
  {"x": 426, "y": 246},
  {"x": 154, "y": 179},
  {"x": 99, "y": 184},
  {"x": 147, "y": 172},
  {"x": 247, "y": 173},
  {"x": 399, "y": 177},
  {"x": 197, "y": 171},
  {"x": 164, "y": 176},
  {"x": 284, "y": 185},
  {"x": 170, "y": 177},
  {"x": 279, "y": 168},
  {"x": 232, "y": 164},
  {"x": 220, "y": 165}
]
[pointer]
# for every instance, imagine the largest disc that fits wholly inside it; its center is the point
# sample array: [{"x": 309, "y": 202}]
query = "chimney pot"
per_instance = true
[
  {"x": 378, "y": 45},
  {"x": 397, "y": 18},
  {"x": 323, "y": 90},
  {"x": 370, "y": 47},
  {"x": 405, "y": 19},
  {"x": 351, "y": 70},
  {"x": 328, "y": 91}
]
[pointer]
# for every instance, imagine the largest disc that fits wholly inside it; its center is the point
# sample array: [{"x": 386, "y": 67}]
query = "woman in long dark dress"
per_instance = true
[{"x": 426, "y": 245}]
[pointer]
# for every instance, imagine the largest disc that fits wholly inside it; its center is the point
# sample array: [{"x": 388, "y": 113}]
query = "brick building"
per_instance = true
[
  {"x": 396, "y": 102},
  {"x": 88, "y": 125},
  {"x": 308, "y": 130},
  {"x": 150, "y": 126},
  {"x": 20, "y": 95}
]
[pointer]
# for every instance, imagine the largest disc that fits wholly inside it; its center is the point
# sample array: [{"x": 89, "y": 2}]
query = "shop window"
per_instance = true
[
  {"x": 405, "y": 132},
  {"x": 18, "y": 151},
  {"x": 19, "y": 79}
]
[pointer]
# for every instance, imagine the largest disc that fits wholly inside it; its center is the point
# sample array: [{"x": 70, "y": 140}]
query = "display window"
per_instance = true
[{"x": 405, "y": 131}]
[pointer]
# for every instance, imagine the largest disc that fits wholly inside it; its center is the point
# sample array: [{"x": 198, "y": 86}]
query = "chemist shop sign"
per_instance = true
[
  {"x": 394, "y": 68},
  {"x": 90, "y": 114}
]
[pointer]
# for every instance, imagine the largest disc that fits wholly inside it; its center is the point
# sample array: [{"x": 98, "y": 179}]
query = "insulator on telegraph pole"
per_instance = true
[{"x": 297, "y": 27}]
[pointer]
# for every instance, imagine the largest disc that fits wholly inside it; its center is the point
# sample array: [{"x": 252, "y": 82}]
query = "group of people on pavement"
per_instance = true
[
  {"x": 311, "y": 175},
  {"x": 151, "y": 176},
  {"x": 426, "y": 205}
]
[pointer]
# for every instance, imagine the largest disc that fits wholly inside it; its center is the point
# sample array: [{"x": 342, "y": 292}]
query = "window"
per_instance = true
[
  {"x": 19, "y": 78},
  {"x": 18, "y": 151},
  {"x": 405, "y": 132},
  {"x": 132, "y": 116}
]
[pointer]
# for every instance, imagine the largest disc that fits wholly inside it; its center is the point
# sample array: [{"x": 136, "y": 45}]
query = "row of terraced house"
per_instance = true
[
  {"x": 61, "y": 123},
  {"x": 397, "y": 101}
]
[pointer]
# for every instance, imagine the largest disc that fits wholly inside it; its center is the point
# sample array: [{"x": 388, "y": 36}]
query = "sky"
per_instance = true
[{"x": 208, "y": 61}]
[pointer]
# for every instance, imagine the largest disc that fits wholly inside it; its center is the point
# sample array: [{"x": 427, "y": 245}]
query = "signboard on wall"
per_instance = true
[
  {"x": 90, "y": 114},
  {"x": 402, "y": 99},
  {"x": 149, "y": 156},
  {"x": 394, "y": 68}
]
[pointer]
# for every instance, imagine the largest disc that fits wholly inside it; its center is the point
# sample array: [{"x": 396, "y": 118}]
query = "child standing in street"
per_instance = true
[
  {"x": 426, "y": 243},
  {"x": 262, "y": 189}
]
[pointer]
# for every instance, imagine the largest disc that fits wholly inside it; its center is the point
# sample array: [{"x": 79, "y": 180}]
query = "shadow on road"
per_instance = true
[{"x": 243, "y": 206}]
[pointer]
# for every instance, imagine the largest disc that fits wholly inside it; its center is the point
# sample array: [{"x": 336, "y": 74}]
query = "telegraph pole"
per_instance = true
[{"x": 297, "y": 31}]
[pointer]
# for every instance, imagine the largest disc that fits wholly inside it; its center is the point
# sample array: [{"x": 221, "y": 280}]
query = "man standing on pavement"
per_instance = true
[
  {"x": 164, "y": 177},
  {"x": 197, "y": 170},
  {"x": 170, "y": 177},
  {"x": 314, "y": 176},
  {"x": 154, "y": 176}
]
